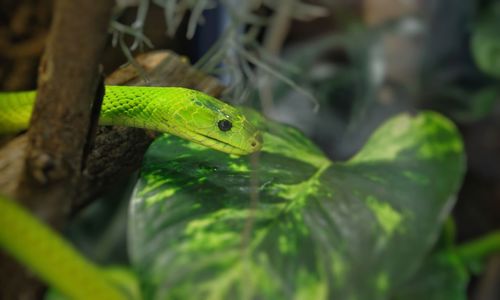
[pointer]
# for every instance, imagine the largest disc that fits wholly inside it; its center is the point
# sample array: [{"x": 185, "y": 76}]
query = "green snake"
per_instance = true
[{"x": 186, "y": 113}]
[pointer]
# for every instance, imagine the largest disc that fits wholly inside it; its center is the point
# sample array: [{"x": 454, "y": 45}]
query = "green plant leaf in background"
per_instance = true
[
  {"x": 485, "y": 42},
  {"x": 441, "y": 276},
  {"x": 290, "y": 224}
]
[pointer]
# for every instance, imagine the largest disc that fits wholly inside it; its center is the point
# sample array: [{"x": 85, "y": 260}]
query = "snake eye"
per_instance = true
[{"x": 224, "y": 125}]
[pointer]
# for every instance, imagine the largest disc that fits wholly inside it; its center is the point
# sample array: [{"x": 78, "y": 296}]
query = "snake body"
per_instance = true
[
  {"x": 52, "y": 258},
  {"x": 183, "y": 112},
  {"x": 186, "y": 113}
]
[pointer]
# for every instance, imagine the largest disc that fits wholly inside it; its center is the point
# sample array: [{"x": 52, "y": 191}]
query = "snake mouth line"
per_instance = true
[{"x": 220, "y": 145}]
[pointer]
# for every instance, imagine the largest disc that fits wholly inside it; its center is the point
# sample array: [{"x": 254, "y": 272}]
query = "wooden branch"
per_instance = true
[
  {"x": 60, "y": 124},
  {"x": 67, "y": 89}
]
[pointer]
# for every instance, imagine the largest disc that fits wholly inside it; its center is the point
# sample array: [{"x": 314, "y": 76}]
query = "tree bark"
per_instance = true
[{"x": 60, "y": 126}]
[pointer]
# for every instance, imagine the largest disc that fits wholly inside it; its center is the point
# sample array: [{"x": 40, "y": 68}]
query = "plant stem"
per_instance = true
[{"x": 480, "y": 248}]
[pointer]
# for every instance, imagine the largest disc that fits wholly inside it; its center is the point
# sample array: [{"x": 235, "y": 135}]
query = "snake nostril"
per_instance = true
[{"x": 254, "y": 144}]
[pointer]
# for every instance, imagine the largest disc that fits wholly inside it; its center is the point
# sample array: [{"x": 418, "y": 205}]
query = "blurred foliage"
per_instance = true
[
  {"x": 485, "y": 40},
  {"x": 440, "y": 276},
  {"x": 457, "y": 76},
  {"x": 319, "y": 229}
]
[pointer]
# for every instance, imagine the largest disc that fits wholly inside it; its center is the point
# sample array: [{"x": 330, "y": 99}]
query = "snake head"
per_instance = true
[{"x": 215, "y": 124}]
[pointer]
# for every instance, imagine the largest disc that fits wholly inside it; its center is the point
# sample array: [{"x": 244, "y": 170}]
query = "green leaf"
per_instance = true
[
  {"x": 289, "y": 223},
  {"x": 485, "y": 42},
  {"x": 441, "y": 276}
]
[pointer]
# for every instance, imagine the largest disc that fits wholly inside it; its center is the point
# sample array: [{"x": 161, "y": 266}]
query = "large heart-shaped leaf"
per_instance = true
[{"x": 289, "y": 223}]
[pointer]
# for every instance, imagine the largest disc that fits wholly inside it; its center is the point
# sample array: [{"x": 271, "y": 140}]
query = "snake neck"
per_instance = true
[
  {"x": 125, "y": 106},
  {"x": 130, "y": 106}
]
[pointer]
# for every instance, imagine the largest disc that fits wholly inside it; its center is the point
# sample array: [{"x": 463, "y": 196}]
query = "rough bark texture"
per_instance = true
[
  {"x": 60, "y": 125},
  {"x": 67, "y": 87}
]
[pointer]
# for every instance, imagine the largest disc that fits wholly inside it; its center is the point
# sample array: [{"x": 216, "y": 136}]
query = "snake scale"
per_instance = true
[{"x": 186, "y": 113}]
